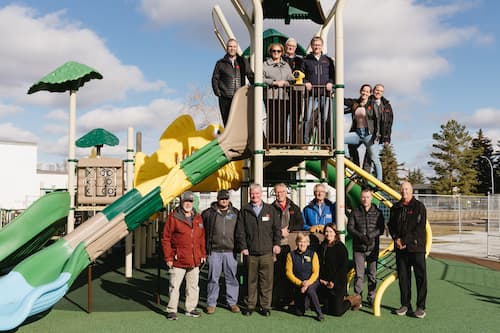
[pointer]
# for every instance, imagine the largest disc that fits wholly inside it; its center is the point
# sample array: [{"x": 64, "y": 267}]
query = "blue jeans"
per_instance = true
[
  {"x": 372, "y": 149},
  {"x": 322, "y": 123},
  {"x": 218, "y": 262}
]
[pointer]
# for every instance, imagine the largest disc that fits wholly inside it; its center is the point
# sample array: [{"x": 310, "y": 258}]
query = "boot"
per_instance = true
[{"x": 355, "y": 301}]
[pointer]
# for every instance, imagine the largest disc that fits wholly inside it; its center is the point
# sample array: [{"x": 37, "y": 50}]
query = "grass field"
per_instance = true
[{"x": 462, "y": 298}]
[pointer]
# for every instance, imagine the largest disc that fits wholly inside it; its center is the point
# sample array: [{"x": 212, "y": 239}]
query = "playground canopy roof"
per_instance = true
[
  {"x": 274, "y": 36},
  {"x": 294, "y": 10},
  {"x": 97, "y": 137},
  {"x": 70, "y": 76}
]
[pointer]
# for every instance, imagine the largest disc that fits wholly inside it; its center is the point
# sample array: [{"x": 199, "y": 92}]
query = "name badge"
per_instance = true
[
  {"x": 328, "y": 216},
  {"x": 265, "y": 218}
]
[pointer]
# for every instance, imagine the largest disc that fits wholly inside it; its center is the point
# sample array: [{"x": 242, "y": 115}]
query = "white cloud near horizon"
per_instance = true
[
  {"x": 47, "y": 42},
  {"x": 9, "y": 132}
]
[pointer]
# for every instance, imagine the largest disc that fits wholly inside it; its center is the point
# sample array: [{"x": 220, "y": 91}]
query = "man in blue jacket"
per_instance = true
[{"x": 319, "y": 212}]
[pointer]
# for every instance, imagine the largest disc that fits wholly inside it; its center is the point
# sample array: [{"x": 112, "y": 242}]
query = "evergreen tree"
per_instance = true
[
  {"x": 389, "y": 166},
  {"x": 484, "y": 149},
  {"x": 416, "y": 176},
  {"x": 452, "y": 160}
]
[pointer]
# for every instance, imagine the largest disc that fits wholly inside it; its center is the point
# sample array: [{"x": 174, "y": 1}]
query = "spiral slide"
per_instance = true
[
  {"x": 41, "y": 280},
  {"x": 31, "y": 230}
]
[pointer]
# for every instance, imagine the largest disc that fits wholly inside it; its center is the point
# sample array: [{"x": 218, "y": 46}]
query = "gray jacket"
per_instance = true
[{"x": 276, "y": 72}]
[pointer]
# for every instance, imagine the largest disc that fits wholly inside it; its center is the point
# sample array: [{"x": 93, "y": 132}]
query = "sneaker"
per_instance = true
[
  {"x": 401, "y": 311},
  {"x": 171, "y": 316},
  {"x": 369, "y": 302},
  {"x": 420, "y": 313},
  {"x": 193, "y": 313},
  {"x": 320, "y": 317},
  {"x": 210, "y": 309},
  {"x": 234, "y": 308}
]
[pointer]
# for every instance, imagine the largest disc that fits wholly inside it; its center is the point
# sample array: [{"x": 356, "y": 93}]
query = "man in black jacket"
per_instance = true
[
  {"x": 291, "y": 220},
  {"x": 228, "y": 76},
  {"x": 366, "y": 224},
  {"x": 220, "y": 224},
  {"x": 407, "y": 228},
  {"x": 258, "y": 235}
]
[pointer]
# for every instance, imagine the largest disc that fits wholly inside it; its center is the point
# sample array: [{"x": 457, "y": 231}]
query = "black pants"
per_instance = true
[
  {"x": 309, "y": 298},
  {"x": 335, "y": 303},
  {"x": 225, "y": 107},
  {"x": 405, "y": 261}
]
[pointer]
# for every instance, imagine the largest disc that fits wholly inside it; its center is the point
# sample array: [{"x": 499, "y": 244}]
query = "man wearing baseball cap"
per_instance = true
[
  {"x": 183, "y": 243},
  {"x": 220, "y": 223}
]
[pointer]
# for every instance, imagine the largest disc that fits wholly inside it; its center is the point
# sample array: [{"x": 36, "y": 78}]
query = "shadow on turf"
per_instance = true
[{"x": 470, "y": 279}]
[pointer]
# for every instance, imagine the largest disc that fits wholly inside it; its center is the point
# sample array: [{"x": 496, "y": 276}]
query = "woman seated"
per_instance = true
[
  {"x": 333, "y": 274},
  {"x": 302, "y": 269}
]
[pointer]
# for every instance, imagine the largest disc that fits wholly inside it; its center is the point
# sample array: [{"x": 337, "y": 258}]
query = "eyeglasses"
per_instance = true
[{"x": 276, "y": 51}]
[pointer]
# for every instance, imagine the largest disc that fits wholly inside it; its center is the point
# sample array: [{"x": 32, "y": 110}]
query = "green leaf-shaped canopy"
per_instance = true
[
  {"x": 97, "y": 137},
  {"x": 70, "y": 76}
]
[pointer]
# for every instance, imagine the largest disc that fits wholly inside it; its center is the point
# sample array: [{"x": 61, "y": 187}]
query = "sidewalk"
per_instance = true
[{"x": 470, "y": 243}]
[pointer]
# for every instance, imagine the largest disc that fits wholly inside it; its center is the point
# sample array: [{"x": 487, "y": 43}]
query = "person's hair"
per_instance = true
[
  {"x": 280, "y": 185},
  {"x": 365, "y": 85},
  {"x": 379, "y": 85},
  {"x": 270, "y": 48},
  {"x": 231, "y": 40},
  {"x": 255, "y": 186},
  {"x": 334, "y": 227},
  {"x": 366, "y": 189},
  {"x": 291, "y": 41},
  {"x": 302, "y": 236},
  {"x": 319, "y": 185},
  {"x": 315, "y": 38}
]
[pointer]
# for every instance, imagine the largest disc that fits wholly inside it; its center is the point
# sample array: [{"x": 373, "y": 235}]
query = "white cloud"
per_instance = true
[
  {"x": 42, "y": 43},
  {"x": 484, "y": 118},
  {"x": 58, "y": 114},
  {"x": 158, "y": 114},
  {"x": 6, "y": 109},
  {"x": 12, "y": 133}
]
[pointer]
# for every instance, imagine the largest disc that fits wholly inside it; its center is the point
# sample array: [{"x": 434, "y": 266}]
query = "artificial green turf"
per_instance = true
[{"x": 462, "y": 298}]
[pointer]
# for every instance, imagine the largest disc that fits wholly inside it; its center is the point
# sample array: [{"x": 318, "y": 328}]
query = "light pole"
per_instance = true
[{"x": 492, "y": 174}]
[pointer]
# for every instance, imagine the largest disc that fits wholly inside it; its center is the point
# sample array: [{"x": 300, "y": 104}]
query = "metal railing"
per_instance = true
[{"x": 298, "y": 118}]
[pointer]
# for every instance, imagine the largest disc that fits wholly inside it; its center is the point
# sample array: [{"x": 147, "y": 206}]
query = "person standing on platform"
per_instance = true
[{"x": 228, "y": 76}]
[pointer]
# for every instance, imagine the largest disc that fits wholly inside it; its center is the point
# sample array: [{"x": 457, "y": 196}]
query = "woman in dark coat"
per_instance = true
[{"x": 333, "y": 263}]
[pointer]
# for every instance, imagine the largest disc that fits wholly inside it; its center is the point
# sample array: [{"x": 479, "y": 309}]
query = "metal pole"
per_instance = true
[
  {"x": 71, "y": 160},
  {"x": 258, "y": 158},
  {"x": 339, "y": 116},
  {"x": 130, "y": 181},
  {"x": 492, "y": 174}
]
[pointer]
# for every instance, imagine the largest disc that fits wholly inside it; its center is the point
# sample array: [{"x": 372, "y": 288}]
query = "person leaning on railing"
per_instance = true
[{"x": 277, "y": 76}]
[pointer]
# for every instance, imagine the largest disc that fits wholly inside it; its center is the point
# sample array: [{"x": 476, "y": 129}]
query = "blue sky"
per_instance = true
[{"x": 437, "y": 59}]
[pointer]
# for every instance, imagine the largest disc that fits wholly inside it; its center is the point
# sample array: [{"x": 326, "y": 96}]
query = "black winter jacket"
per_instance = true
[
  {"x": 363, "y": 223},
  {"x": 408, "y": 223},
  {"x": 318, "y": 72},
  {"x": 225, "y": 79},
  {"x": 260, "y": 233},
  {"x": 385, "y": 119},
  {"x": 209, "y": 217}
]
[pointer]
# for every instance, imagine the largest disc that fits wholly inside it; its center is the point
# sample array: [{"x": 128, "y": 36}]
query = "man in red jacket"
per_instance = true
[{"x": 184, "y": 250}]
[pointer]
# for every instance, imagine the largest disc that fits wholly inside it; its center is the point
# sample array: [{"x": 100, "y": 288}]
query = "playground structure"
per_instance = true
[{"x": 196, "y": 160}]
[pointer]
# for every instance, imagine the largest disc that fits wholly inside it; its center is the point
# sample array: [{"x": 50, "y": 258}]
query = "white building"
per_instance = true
[{"x": 19, "y": 185}]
